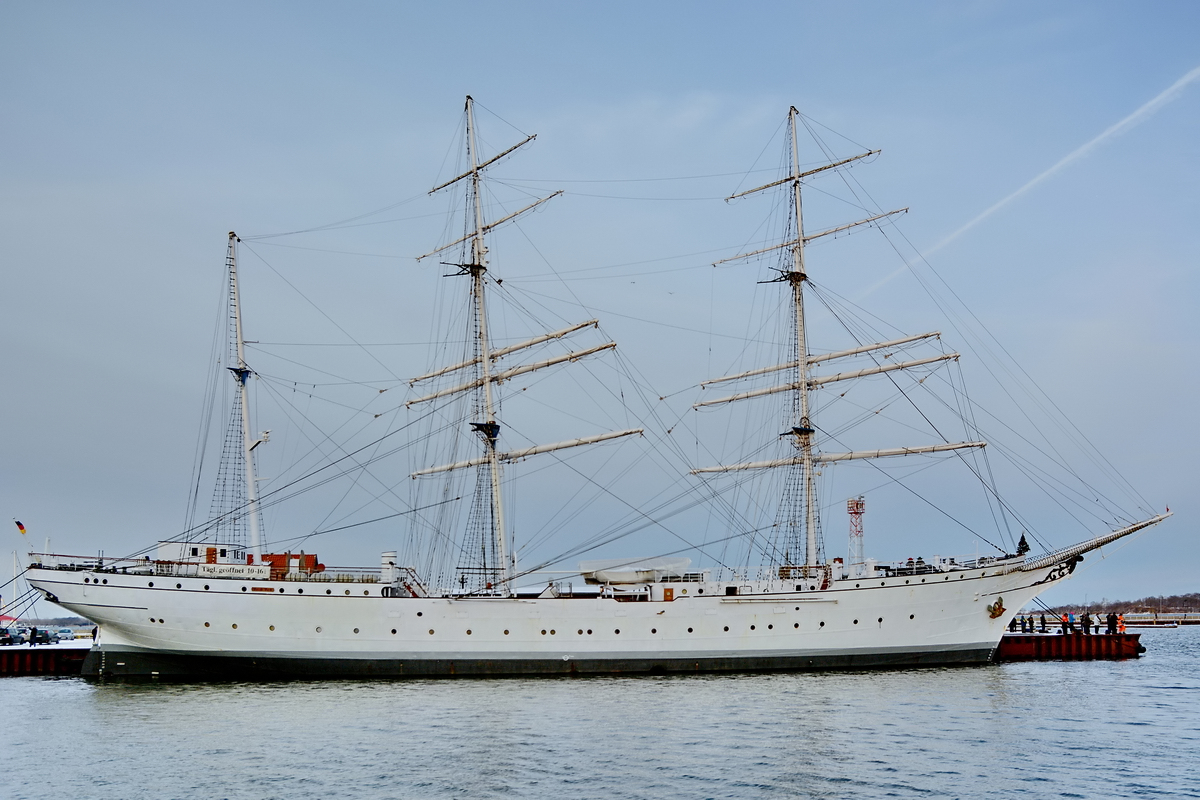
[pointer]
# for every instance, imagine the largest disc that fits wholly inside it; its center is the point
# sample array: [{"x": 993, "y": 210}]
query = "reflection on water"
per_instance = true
[{"x": 1091, "y": 729}]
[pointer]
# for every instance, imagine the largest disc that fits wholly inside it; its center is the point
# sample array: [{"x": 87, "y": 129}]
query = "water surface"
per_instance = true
[{"x": 1038, "y": 730}]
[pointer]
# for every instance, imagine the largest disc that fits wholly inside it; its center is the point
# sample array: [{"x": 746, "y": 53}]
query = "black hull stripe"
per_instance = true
[{"x": 145, "y": 664}]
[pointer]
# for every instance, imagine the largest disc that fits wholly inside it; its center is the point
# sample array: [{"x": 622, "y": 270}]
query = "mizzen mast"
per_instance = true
[{"x": 241, "y": 373}]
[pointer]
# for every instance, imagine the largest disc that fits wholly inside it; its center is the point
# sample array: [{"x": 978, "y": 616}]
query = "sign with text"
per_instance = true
[{"x": 251, "y": 571}]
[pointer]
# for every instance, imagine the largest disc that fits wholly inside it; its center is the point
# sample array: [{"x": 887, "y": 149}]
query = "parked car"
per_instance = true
[
  {"x": 43, "y": 636},
  {"x": 11, "y": 636},
  {"x": 65, "y": 634}
]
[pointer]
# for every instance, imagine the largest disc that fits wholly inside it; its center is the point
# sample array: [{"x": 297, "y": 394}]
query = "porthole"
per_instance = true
[
  {"x": 468, "y": 633},
  {"x": 689, "y": 630},
  {"x": 589, "y": 631},
  {"x": 347, "y": 592},
  {"x": 206, "y": 624},
  {"x": 235, "y": 626},
  {"x": 272, "y": 627},
  {"x": 365, "y": 593},
  {"x": 908, "y": 582},
  {"x": 421, "y": 613},
  {"x": 152, "y": 620},
  {"x": 883, "y": 583},
  {"x": 618, "y": 630},
  {"x": 206, "y": 587},
  {"x": 543, "y": 631},
  {"x": 769, "y": 627},
  {"x": 581, "y": 631},
  {"x": 431, "y": 631},
  {"x": 299, "y": 591},
  {"x": 797, "y": 608},
  {"x": 654, "y": 630},
  {"x": 912, "y": 616},
  {"x": 727, "y": 627},
  {"x": 179, "y": 586},
  {"x": 551, "y": 631},
  {"x": 946, "y": 578},
  {"x": 329, "y": 591},
  {"x": 880, "y": 620},
  {"x": 105, "y": 581},
  {"x": 281, "y": 590},
  {"x": 356, "y": 630},
  {"x": 318, "y": 629},
  {"x": 797, "y": 625},
  {"x": 857, "y": 585},
  {"x": 152, "y": 585},
  {"x": 160, "y": 622},
  {"x": 751, "y": 627},
  {"x": 87, "y": 580},
  {"x": 505, "y": 633},
  {"x": 855, "y": 622},
  {"x": 243, "y": 588},
  {"x": 822, "y": 625},
  {"x": 393, "y": 631},
  {"x": 922, "y": 580}
]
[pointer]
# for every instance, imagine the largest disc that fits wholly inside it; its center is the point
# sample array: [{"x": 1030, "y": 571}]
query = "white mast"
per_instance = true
[
  {"x": 801, "y": 427},
  {"x": 488, "y": 428},
  {"x": 486, "y": 424},
  {"x": 803, "y": 430},
  {"x": 242, "y": 374}
]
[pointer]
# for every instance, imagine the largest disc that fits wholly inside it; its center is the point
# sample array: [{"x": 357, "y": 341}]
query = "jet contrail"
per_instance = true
[{"x": 1141, "y": 115}]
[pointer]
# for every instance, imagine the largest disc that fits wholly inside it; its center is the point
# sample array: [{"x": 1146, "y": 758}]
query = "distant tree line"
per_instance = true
[
  {"x": 59, "y": 622},
  {"x": 1175, "y": 603}
]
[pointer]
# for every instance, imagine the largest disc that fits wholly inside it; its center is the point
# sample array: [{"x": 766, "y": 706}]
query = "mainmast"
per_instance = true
[
  {"x": 241, "y": 373},
  {"x": 487, "y": 372},
  {"x": 488, "y": 428}
]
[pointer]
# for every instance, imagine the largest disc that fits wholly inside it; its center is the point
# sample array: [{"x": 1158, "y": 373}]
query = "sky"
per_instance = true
[{"x": 1048, "y": 155}]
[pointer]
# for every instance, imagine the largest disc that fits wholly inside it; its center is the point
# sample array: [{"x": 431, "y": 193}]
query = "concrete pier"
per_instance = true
[
  {"x": 1068, "y": 647},
  {"x": 50, "y": 659}
]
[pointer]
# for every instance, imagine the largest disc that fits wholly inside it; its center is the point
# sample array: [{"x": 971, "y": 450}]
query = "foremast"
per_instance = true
[
  {"x": 486, "y": 424},
  {"x": 802, "y": 430}
]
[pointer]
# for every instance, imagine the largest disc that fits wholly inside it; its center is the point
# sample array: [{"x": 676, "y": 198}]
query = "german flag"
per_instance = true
[{"x": 20, "y": 527}]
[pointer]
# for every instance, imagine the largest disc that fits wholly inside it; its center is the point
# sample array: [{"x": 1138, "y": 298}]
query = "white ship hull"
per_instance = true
[{"x": 214, "y": 628}]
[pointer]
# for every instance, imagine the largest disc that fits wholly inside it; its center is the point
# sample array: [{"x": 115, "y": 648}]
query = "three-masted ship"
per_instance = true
[{"x": 210, "y": 605}]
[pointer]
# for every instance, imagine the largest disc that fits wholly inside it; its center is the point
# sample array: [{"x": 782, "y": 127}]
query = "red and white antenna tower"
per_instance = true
[{"x": 856, "y": 506}]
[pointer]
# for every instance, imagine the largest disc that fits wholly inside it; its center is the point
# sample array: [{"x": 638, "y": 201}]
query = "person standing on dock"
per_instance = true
[
  {"x": 33, "y": 636},
  {"x": 1043, "y": 623},
  {"x": 1065, "y": 623},
  {"x": 1086, "y": 623},
  {"x": 1120, "y": 623},
  {"x": 1111, "y": 619}
]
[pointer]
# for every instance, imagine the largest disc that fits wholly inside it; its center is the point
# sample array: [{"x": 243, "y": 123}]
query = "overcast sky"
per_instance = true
[{"x": 1047, "y": 185}]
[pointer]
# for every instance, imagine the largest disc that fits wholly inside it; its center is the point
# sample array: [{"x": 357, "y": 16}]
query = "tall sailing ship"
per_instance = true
[{"x": 215, "y": 603}]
